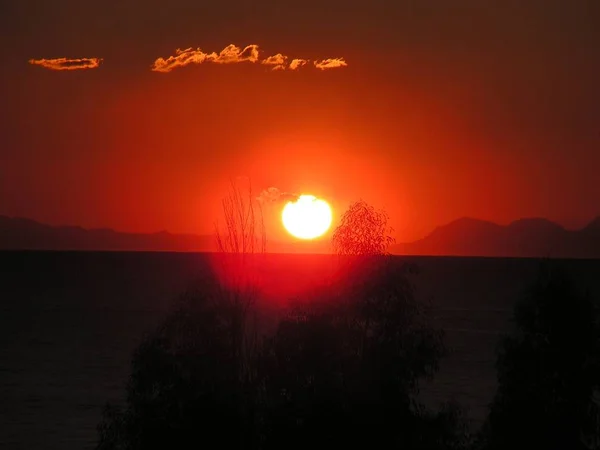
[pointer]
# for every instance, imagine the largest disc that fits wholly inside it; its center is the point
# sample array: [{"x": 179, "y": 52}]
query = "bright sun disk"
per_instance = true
[{"x": 306, "y": 218}]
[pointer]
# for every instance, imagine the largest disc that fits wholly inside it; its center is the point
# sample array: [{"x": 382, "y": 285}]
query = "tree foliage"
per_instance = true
[
  {"x": 344, "y": 371},
  {"x": 363, "y": 231},
  {"x": 185, "y": 389},
  {"x": 196, "y": 371},
  {"x": 548, "y": 371}
]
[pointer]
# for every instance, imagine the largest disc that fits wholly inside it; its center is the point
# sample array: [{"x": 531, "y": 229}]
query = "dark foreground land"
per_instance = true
[{"x": 70, "y": 321}]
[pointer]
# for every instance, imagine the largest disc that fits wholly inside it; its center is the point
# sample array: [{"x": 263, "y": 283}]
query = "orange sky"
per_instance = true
[{"x": 441, "y": 112}]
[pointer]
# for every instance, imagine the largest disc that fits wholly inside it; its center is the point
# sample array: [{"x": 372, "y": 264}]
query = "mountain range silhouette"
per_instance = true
[{"x": 533, "y": 237}]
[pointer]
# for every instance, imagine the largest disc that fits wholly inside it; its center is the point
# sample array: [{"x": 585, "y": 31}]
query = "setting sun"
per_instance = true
[{"x": 306, "y": 218}]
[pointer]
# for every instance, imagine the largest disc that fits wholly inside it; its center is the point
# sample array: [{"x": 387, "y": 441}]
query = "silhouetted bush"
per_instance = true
[
  {"x": 344, "y": 370},
  {"x": 363, "y": 231},
  {"x": 548, "y": 371},
  {"x": 189, "y": 384}
]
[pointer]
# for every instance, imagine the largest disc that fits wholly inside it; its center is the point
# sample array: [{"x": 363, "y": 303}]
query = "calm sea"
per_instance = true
[{"x": 70, "y": 320}]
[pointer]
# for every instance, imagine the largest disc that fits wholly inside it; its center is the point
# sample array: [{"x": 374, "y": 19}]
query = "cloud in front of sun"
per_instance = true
[{"x": 273, "y": 194}]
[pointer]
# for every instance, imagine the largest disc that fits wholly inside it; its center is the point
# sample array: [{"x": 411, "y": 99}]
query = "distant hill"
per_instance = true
[
  {"x": 25, "y": 234},
  {"x": 534, "y": 237}
]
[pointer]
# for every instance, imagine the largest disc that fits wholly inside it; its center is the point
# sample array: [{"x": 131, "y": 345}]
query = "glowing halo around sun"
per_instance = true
[{"x": 306, "y": 218}]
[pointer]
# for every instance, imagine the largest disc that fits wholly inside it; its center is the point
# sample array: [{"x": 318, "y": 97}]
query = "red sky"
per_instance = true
[{"x": 445, "y": 109}]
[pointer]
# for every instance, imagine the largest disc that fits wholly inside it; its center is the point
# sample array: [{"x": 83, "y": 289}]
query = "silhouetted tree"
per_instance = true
[
  {"x": 185, "y": 390},
  {"x": 241, "y": 249},
  {"x": 194, "y": 380},
  {"x": 363, "y": 231},
  {"x": 548, "y": 371},
  {"x": 343, "y": 368},
  {"x": 344, "y": 371}
]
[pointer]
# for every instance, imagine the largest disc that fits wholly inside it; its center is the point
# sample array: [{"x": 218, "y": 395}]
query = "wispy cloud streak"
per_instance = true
[
  {"x": 330, "y": 63},
  {"x": 181, "y": 59},
  {"x": 277, "y": 62},
  {"x": 229, "y": 55},
  {"x": 297, "y": 63},
  {"x": 67, "y": 63},
  {"x": 234, "y": 54}
]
